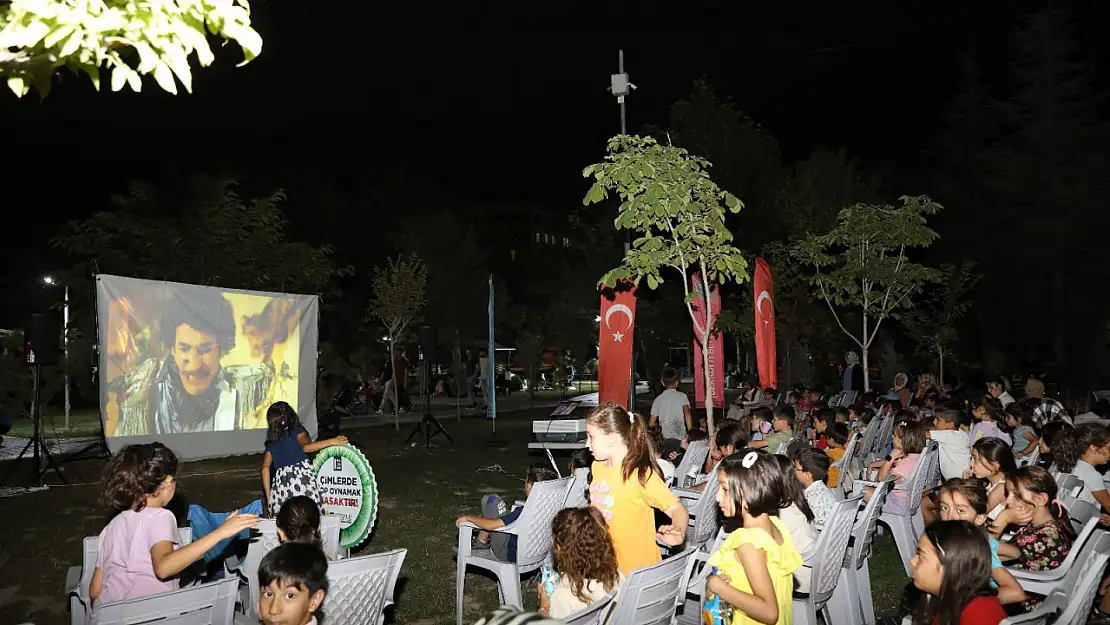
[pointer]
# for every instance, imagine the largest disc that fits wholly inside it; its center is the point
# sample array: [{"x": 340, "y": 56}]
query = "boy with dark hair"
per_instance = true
[
  {"x": 496, "y": 514},
  {"x": 843, "y": 414},
  {"x": 953, "y": 443},
  {"x": 292, "y": 583},
  {"x": 783, "y": 425},
  {"x": 838, "y": 438},
  {"x": 671, "y": 412},
  {"x": 811, "y": 467}
]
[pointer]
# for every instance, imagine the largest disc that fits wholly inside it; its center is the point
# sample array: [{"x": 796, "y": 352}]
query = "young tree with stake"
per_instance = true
[
  {"x": 862, "y": 263},
  {"x": 678, "y": 215},
  {"x": 397, "y": 300}
]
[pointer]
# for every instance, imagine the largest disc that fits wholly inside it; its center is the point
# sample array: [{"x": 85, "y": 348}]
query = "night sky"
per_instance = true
[{"x": 499, "y": 100}]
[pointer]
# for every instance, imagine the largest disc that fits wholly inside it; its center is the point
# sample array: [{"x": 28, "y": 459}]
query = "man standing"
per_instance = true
[{"x": 470, "y": 369}]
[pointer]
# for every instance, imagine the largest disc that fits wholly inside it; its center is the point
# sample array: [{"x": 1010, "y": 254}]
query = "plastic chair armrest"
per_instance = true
[{"x": 73, "y": 580}]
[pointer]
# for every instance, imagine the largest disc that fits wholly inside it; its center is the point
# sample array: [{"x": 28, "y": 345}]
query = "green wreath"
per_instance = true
[{"x": 360, "y": 528}]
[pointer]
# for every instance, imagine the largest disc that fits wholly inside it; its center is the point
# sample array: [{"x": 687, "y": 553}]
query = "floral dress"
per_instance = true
[{"x": 1043, "y": 547}]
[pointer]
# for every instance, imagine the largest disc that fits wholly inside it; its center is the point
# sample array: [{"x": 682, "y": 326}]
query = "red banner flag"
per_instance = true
[
  {"x": 765, "y": 352},
  {"x": 614, "y": 344},
  {"x": 716, "y": 346}
]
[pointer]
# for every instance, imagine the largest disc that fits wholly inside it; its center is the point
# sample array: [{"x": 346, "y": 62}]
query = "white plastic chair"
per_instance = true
[
  {"x": 651, "y": 595},
  {"x": 204, "y": 604},
  {"x": 845, "y": 466},
  {"x": 855, "y": 574},
  {"x": 1032, "y": 458},
  {"x": 360, "y": 589},
  {"x": 533, "y": 531},
  {"x": 576, "y": 496},
  {"x": 594, "y": 614},
  {"x": 1044, "y": 582},
  {"x": 703, "y": 514},
  {"x": 1071, "y": 604},
  {"x": 78, "y": 578},
  {"x": 825, "y": 562},
  {"x": 906, "y": 528},
  {"x": 693, "y": 459}
]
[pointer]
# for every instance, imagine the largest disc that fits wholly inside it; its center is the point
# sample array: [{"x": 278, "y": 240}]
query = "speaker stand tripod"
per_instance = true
[
  {"x": 40, "y": 453},
  {"x": 428, "y": 427}
]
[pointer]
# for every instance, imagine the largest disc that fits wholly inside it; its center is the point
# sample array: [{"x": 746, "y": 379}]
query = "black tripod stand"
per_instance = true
[
  {"x": 427, "y": 422},
  {"x": 37, "y": 445}
]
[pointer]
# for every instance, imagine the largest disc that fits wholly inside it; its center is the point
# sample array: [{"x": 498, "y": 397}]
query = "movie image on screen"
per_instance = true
[{"x": 178, "y": 358}]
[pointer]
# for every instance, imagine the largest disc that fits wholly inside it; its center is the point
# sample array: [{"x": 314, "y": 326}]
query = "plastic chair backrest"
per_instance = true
[
  {"x": 863, "y": 532},
  {"x": 204, "y": 604},
  {"x": 359, "y": 589},
  {"x": 577, "y": 496},
  {"x": 695, "y": 455},
  {"x": 705, "y": 513},
  {"x": 831, "y": 548},
  {"x": 651, "y": 595},
  {"x": 533, "y": 526},
  {"x": 595, "y": 614}
]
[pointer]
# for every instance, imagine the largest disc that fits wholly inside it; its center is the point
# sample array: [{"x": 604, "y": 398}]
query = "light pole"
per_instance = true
[
  {"x": 49, "y": 280},
  {"x": 620, "y": 86}
]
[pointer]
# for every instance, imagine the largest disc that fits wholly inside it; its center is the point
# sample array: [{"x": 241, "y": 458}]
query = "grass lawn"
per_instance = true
[
  {"x": 422, "y": 492},
  {"x": 83, "y": 422}
]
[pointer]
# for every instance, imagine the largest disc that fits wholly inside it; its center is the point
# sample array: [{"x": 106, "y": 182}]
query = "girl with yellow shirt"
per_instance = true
[
  {"x": 627, "y": 486},
  {"x": 755, "y": 565}
]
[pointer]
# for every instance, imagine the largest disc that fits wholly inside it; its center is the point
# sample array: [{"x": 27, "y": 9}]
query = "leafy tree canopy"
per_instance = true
[
  {"x": 129, "y": 38},
  {"x": 201, "y": 232}
]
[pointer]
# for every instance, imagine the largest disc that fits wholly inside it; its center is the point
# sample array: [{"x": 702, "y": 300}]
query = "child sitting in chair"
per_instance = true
[
  {"x": 496, "y": 514},
  {"x": 293, "y": 580}
]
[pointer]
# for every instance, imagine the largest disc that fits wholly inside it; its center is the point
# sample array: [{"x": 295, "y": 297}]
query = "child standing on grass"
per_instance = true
[
  {"x": 136, "y": 555},
  {"x": 671, "y": 412},
  {"x": 753, "y": 571},
  {"x": 627, "y": 485},
  {"x": 286, "y": 457}
]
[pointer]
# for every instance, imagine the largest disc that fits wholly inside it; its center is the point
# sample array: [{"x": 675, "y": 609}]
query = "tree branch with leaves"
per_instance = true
[
  {"x": 932, "y": 324},
  {"x": 678, "y": 215},
  {"x": 863, "y": 263},
  {"x": 399, "y": 296},
  {"x": 131, "y": 38}
]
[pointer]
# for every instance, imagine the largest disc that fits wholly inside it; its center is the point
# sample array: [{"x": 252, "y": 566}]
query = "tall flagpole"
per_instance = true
[
  {"x": 620, "y": 86},
  {"x": 490, "y": 354}
]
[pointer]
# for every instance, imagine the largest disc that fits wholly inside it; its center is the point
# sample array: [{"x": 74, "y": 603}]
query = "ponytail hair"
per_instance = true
[
  {"x": 613, "y": 419},
  {"x": 1067, "y": 450},
  {"x": 299, "y": 521},
  {"x": 791, "y": 489},
  {"x": 1035, "y": 481}
]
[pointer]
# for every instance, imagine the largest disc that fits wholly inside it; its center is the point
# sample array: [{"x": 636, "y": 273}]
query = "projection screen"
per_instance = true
[{"x": 196, "y": 367}]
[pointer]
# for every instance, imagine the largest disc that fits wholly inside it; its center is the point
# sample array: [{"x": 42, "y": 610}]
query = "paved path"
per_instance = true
[{"x": 12, "y": 445}]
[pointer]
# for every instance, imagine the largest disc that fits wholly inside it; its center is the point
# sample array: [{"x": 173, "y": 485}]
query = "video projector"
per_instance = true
[{"x": 567, "y": 423}]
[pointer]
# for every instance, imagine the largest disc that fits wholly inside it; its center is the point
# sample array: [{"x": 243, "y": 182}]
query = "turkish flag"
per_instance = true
[
  {"x": 614, "y": 343},
  {"x": 765, "y": 353},
  {"x": 716, "y": 345}
]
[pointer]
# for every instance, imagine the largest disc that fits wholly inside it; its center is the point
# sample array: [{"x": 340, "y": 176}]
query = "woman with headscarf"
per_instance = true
[
  {"x": 925, "y": 383},
  {"x": 900, "y": 391},
  {"x": 853, "y": 373}
]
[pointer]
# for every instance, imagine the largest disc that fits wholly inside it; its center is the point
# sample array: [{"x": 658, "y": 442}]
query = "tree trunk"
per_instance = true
[
  {"x": 709, "y": 424},
  {"x": 940, "y": 378},
  {"x": 396, "y": 391},
  {"x": 864, "y": 344},
  {"x": 740, "y": 366}
]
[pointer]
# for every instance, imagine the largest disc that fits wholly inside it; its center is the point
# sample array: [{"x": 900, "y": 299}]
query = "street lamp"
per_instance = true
[{"x": 52, "y": 281}]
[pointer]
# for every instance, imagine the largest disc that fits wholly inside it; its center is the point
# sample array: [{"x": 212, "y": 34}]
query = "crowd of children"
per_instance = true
[
  {"x": 776, "y": 470},
  {"x": 139, "y": 552}
]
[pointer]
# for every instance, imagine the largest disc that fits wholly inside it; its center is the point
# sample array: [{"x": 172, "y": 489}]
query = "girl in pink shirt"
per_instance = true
[
  {"x": 909, "y": 442},
  {"x": 136, "y": 555}
]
